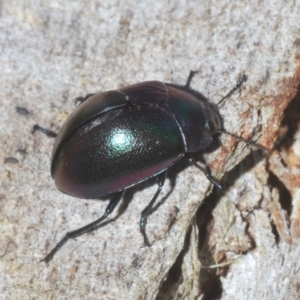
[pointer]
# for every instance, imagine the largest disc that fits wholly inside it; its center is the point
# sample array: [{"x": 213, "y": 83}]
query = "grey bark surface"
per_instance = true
[{"x": 244, "y": 247}]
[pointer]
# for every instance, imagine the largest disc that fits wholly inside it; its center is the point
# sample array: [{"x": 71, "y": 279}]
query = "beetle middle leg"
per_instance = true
[
  {"x": 145, "y": 213},
  {"x": 189, "y": 80},
  {"x": 87, "y": 228}
]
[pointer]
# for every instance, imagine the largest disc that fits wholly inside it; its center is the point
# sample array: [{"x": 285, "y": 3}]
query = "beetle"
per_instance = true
[{"x": 116, "y": 139}]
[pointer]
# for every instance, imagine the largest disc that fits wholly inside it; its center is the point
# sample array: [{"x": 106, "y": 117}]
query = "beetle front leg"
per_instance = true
[
  {"x": 192, "y": 161},
  {"x": 87, "y": 228},
  {"x": 145, "y": 213}
]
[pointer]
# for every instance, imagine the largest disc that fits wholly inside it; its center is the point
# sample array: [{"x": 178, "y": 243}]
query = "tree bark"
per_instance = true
[{"x": 242, "y": 243}]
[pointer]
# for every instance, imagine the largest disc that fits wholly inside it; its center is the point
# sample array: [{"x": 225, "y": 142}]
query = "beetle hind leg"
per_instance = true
[
  {"x": 80, "y": 100},
  {"x": 48, "y": 132},
  {"x": 145, "y": 213},
  {"x": 87, "y": 228}
]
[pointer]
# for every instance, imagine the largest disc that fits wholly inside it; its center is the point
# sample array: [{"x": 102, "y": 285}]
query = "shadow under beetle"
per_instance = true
[{"x": 117, "y": 139}]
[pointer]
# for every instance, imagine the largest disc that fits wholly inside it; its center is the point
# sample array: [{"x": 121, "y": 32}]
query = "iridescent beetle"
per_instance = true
[{"x": 117, "y": 139}]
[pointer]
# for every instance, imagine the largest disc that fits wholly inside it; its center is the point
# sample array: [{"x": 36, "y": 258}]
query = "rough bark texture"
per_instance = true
[{"x": 243, "y": 244}]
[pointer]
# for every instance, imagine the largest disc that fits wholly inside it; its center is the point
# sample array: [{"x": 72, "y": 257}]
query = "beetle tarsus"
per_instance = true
[
  {"x": 145, "y": 213},
  {"x": 190, "y": 78},
  {"x": 80, "y": 100},
  {"x": 50, "y": 256},
  {"x": 87, "y": 228},
  {"x": 48, "y": 132},
  {"x": 206, "y": 172}
]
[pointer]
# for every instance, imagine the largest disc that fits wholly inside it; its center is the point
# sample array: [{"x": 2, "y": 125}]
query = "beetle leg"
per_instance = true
[
  {"x": 48, "y": 132},
  {"x": 206, "y": 172},
  {"x": 189, "y": 80},
  {"x": 87, "y": 228},
  {"x": 80, "y": 100},
  {"x": 145, "y": 213}
]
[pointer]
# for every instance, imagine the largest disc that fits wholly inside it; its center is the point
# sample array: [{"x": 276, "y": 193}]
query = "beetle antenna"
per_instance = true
[
  {"x": 236, "y": 87},
  {"x": 247, "y": 142}
]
